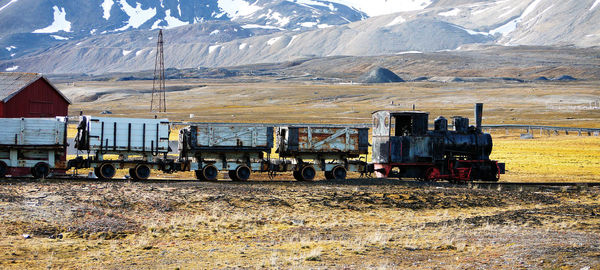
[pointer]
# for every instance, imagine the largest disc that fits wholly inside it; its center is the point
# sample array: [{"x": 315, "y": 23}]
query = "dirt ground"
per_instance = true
[
  {"x": 572, "y": 104},
  {"x": 376, "y": 224}
]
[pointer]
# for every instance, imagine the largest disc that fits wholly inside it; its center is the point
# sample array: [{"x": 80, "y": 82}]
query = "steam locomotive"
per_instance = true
[{"x": 404, "y": 147}]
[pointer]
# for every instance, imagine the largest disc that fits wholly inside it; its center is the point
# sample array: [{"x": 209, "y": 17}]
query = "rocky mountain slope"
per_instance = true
[
  {"x": 436, "y": 26},
  {"x": 51, "y": 23}
]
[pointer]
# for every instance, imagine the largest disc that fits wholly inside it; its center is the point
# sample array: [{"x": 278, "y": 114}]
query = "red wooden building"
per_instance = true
[{"x": 30, "y": 95}]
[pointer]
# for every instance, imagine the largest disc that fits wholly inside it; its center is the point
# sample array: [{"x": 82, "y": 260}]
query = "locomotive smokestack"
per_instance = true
[{"x": 478, "y": 115}]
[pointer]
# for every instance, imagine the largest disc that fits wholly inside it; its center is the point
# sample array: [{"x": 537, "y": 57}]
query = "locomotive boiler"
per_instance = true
[{"x": 403, "y": 146}]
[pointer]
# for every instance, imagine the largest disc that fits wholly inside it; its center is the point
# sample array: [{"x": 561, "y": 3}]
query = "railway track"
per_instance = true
[{"x": 507, "y": 186}]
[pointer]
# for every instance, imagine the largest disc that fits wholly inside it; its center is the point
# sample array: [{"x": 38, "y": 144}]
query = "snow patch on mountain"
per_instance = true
[
  {"x": 382, "y": 7},
  {"x": 173, "y": 22},
  {"x": 137, "y": 15},
  {"x": 512, "y": 24},
  {"x": 238, "y": 8},
  {"x": 451, "y": 13},
  {"x": 60, "y": 23},
  {"x": 309, "y": 3},
  {"x": 8, "y": 4},
  {"x": 272, "y": 41},
  {"x": 592, "y": 8},
  {"x": 397, "y": 20},
  {"x": 213, "y": 48},
  {"x": 59, "y": 37},
  {"x": 13, "y": 68},
  {"x": 250, "y": 26},
  {"x": 106, "y": 7}
]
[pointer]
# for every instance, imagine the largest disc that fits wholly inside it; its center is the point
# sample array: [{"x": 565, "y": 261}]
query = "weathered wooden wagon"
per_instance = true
[
  {"x": 332, "y": 149},
  {"x": 35, "y": 146},
  {"x": 239, "y": 149},
  {"x": 138, "y": 144}
]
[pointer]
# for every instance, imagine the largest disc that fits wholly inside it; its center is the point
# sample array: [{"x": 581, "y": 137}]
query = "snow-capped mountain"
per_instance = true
[
  {"x": 49, "y": 23},
  {"x": 249, "y": 32}
]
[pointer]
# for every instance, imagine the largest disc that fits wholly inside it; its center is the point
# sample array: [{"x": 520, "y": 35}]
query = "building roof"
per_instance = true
[{"x": 11, "y": 83}]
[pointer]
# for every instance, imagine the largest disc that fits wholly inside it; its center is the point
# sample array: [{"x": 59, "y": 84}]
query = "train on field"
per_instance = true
[{"x": 402, "y": 146}]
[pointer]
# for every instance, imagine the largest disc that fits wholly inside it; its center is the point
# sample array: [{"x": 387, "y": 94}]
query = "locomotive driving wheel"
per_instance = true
[{"x": 432, "y": 174}]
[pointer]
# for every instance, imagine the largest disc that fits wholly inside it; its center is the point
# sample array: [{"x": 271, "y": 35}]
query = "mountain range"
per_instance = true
[{"x": 99, "y": 36}]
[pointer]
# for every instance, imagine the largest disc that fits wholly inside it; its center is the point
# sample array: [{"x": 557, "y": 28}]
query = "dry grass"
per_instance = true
[
  {"x": 294, "y": 225},
  {"x": 552, "y": 103},
  {"x": 549, "y": 158}
]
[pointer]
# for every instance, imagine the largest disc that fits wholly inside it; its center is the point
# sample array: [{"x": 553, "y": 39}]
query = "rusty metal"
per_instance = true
[
  {"x": 294, "y": 140},
  {"x": 159, "y": 99}
]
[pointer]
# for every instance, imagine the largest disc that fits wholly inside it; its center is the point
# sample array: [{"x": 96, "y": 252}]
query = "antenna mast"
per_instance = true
[{"x": 159, "y": 100}]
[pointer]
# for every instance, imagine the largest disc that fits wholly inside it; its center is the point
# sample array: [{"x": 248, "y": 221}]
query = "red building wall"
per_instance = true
[{"x": 38, "y": 99}]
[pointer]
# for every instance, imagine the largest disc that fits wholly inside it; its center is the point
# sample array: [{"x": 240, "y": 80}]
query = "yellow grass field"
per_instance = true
[{"x": 549, "y": 158}]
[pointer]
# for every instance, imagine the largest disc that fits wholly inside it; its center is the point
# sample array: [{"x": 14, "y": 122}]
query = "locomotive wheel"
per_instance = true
[
  {"x": 328, "y": 175},
  {"x": 242, "y": 173},
  {"x": 339, "y": 173},
  {"x": 210, "y": 172},
  {"x": 3, "y": 169},
  {"x": 308, "y": 173},
  {"x": 432, "y": 174},
  {"x": 140, "y": 172},
  {"x": 40, "y": 170},
  {"x": 105, "y": 171}
]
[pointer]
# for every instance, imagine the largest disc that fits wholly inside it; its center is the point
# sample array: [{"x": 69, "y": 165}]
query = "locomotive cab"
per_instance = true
[{"x": 402, "y": 138}]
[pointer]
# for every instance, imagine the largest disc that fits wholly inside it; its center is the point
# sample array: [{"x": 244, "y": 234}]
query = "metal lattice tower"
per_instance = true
[{"x": 159, "y": 100}]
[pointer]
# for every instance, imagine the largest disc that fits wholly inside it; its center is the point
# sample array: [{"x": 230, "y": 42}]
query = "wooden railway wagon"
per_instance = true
[
  {"x": 334, "y": 150},
  {"x": 237, "y": 148},
  {"x": 139, "y": 145},
  {"x": 35, "y": 146}
]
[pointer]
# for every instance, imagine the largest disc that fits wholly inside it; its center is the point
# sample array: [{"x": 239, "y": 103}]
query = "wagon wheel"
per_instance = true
[
  {"x": 106, "y": 171},
  {"x": 140, "y": 172},
  {"x": 210, "y": 172},
  {"x": 242, "y": 173},
  {"x": 339, "y": 173},
  {"x": 199, "y": 175},
  {"x": 297, "y": 175},
  {"x": 231, "y": 174},
  {"x": 40, "y": 170},
  {"x": 307, "y": 173},
  {"x": 3, "y": 169}
]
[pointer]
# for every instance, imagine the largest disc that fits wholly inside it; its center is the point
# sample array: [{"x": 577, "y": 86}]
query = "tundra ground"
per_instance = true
[{"x": 354, "y": 224}]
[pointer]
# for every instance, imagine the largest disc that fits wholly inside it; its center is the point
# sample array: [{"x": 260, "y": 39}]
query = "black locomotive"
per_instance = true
[{"x": 403, "y": 146}]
